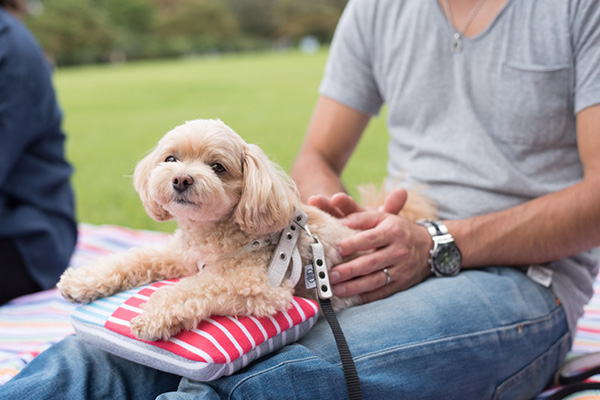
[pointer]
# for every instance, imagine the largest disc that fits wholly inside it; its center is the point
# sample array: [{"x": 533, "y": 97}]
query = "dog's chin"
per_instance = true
[
  {"x": 185, "y": 209},
  {"x": 184, "y": 202},
  {"x": 182, "y": 208}
]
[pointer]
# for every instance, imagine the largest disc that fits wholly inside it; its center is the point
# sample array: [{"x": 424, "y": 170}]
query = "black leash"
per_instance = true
[
  {"x": 574, "y": 372},
  {"x": 572, "y": 389},
  {"x": 350, "y": 374},
  {"x": 317, "y": 277},
  {"x": 324, "y": 293},
  {"x": 579, "y": 369}
]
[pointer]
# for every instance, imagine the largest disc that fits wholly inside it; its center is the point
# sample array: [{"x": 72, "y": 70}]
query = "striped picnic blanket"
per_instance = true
[{"x": 30, "y": 324}]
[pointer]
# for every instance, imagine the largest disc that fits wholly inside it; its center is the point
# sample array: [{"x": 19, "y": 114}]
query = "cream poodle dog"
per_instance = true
[{"x": 226, "y": 196}]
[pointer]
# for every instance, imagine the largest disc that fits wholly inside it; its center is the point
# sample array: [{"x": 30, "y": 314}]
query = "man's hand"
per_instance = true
[
  {"x": 339, "y": 205},
  {"x": 389, "y": 241}
]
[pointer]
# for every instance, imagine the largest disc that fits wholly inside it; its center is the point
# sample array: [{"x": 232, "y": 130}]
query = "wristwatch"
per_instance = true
[{"x": 445, "y": 258}]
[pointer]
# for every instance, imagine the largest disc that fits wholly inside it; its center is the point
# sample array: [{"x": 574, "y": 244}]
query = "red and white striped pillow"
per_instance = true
[{"x": 218, "y": 346}]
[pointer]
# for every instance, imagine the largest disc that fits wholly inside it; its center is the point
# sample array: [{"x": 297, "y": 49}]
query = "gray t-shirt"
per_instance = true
[{"x": 485, "y": 129}]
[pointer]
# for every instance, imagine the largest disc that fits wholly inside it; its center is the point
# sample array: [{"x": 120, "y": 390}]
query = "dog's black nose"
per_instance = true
[{"x": 182, "y": 182}]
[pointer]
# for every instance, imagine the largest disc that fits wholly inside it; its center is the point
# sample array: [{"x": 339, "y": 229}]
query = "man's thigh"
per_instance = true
[{"x": 484, "y": 333}]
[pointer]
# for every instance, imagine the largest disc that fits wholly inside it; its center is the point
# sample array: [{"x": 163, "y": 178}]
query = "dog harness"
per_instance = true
[
  {"x": 287, "y": 252},
  {"x": 316, "y": 275}
]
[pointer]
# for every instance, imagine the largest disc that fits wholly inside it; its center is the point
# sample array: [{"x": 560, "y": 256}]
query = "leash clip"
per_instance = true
[{"x": 320, "y": 267}]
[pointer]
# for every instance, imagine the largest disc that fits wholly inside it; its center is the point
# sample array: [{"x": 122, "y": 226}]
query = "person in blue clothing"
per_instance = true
[{"x": 37, "y": 222}]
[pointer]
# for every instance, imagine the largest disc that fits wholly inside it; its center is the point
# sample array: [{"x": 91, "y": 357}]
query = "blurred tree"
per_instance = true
[
  {"x": 254, "y": 16},
  {"x": 293, "y": 19},
  {"x": 74, "y": 31},
  {"x": 191, "y": 26},
  {"x": 137, "y": 16},
  {"x": 84, "y": 31},
  {"x": 135, "y": 22}
]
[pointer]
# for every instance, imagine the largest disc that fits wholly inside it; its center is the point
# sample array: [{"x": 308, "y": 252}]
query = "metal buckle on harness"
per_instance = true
[
  {"x": 287, "y": 253},
  {"x": 320, "y": 267}
]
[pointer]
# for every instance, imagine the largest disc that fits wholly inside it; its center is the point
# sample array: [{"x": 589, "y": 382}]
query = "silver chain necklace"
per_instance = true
[{"x": 457, "y": 43}]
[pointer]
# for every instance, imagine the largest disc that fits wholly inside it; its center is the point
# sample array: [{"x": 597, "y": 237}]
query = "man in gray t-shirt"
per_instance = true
[{"x": 494, "y": 107}]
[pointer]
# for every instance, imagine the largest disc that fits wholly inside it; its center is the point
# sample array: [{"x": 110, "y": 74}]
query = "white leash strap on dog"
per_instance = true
[{"x": 287, "y": 251}]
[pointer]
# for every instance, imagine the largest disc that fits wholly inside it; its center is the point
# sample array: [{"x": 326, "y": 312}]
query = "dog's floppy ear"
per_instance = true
[
  {"x": 140, "y": 182},
  {"x": 268, "y": 195}
]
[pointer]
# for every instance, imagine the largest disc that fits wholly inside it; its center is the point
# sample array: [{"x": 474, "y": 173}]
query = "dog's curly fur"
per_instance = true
[{"x": 224, "y": 193}]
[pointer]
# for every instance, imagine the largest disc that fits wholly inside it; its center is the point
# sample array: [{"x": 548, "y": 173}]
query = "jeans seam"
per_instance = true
[
  {"x": 510, "y": 381},
  {"x": 516, "y": 325},
  {"x": 235, "y": 387}
]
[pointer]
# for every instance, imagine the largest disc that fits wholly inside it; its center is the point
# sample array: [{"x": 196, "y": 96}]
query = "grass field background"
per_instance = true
[{"x": 115, "y": 114}]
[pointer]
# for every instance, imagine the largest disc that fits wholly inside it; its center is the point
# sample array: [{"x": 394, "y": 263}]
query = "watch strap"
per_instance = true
[
  {"x": 441, "y": 228},
  {"x": 435, "y": 228},
  {"x": 431, "y": 228}
]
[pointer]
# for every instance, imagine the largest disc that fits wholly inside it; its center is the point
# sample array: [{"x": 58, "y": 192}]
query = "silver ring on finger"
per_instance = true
[{"x": 387, "y": 276}]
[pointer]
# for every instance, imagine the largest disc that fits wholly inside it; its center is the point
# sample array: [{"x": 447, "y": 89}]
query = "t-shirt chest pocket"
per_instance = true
[{"x": 532, "y": 104}]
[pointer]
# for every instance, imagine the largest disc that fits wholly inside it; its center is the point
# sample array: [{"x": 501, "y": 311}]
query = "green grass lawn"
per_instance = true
[{"x": 115, "y": 114}]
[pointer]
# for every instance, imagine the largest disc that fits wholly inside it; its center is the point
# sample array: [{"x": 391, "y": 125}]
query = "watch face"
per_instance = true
[{"x": 447, "y": 259}]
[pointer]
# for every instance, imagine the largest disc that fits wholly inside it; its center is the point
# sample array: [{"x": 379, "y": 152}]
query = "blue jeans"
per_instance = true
[{"x": 485, "y": 334}]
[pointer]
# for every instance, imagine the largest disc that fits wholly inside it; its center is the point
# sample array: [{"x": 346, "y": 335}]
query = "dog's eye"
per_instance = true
[
  {"x": 170, "y": 159},
  {"x": 218, "y": 168}
]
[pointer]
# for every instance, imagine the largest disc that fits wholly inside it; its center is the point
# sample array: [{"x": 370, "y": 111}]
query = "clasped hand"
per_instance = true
[{"x": 386, "y": 240}]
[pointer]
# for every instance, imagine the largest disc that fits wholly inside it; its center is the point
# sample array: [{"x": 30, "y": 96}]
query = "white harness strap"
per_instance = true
[
  {"x": 271, "y": 238},
  {"x": 287, "y": 252}
]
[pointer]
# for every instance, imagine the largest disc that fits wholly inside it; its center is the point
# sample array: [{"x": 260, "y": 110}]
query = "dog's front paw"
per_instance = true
[
  {"x": 76, "y": 287},
  {"x": 147, "y": 328}
]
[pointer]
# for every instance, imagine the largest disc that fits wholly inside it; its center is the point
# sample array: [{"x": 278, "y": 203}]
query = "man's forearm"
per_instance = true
[
  {"x": 545, "y": 229},
  {"x": 314, "y": 176},
  {"x": 331, "y": 138}
]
